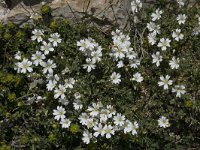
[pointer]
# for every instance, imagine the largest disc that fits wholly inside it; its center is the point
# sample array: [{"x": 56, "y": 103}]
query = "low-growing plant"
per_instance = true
[{"x": 67, "y": 85}]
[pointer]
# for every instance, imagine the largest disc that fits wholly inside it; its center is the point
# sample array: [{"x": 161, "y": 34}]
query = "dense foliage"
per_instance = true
[{"x": 140, "y": 84}]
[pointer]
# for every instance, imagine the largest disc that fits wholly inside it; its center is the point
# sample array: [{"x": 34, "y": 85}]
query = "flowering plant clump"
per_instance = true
[
  {"x": 104, "y": 122},
  {"x": 92, "y": 51},
  {"x": 72, "y": 86}
]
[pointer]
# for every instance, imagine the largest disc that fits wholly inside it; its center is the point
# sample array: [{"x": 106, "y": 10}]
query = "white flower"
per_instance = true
[
  {"x": 90, "y": 65},
  {"x": 18, "y": 56},
  {"x": 63, "y": 101},
  {"x": 92, "y": 51},
  {"x": 25, "y": 66},
  {"x": 134, "y": 63},
  {"x": 31, "y": 99},
  {"x": 66, "y": 70},
  {"x": 69, "y": 83},
  {"x": 46, "y": 47},
  {"x": 77, "y": 95},
  {"x": 90, "y": 123},
  {"x": 52, "y": 77},
  {"x": 137, "y": 77},
  {"x": 131, "y": 54},
  {"x": 55, "y": 39},
  {"x": 157, "y": 58},
  {"x": 37, "y": 35},
  {"x": 132, "y": 127},
  {"x": 86, "y": 136},
  {"x": 157, "y": 15},
  {"x": 126, "y": 126},
  {"x": 111, "y": 111},
  {"x": 60, "y": 92},
  {"x": 40, "y": 98},
  {"x": 164, "y": 43},
  {"x": 135, "y": 5},
  {"x": 82, "y": 45},
  {"x": 179, "y": 90},
  {"x": 177, "y": 35},
  {"x": 77, "y": 104},
  {"x": 96, "y": 56},
  {"x": 94, "y": 110},
  {"x": 48, "y": 66},
  {"x": 51, "y": 85},
  {"x": 165, "y": 82},
  {"x": 83, "y": 118},
  {"x": 115, "y": 78},
  {"x": 108, "y": 130},
  {"x": 98, "y": 130},
  {"x": 119, "y": 119},
  {"x": 181, "y": 19},
  {"x": 121, "y": 48},
  {"x": 37, "y": 58},
  {"x": 163, "y": 122},
  {"x": 17, "y": 68},
  {"x": 104, "y": 115},
  {"x": 90, "y": 43},
  {"x": 180, "y": 2},
  {"x": 174, "y": 63},
  {"x": 118, "y": 52},
  {"x": 152, "y": 38},
  {"x": 152, "y": 27},
  {"x": 65, "y": 123},
  {"x": 122, "y": 42},
  {"x": 59, "y": 113},
  {"x": 116, "y": 33},
  {"x": 120, "y": 64},
  {"x": 196, "y": 30}
]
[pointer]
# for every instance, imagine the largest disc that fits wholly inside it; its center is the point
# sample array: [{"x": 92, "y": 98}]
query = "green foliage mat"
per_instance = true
[{"x": 32, "y": 126}]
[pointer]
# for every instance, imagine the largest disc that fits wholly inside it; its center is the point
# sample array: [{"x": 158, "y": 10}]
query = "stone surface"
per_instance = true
[
  {"x": 3, "y": 10},
  {"x": 102, "y": 12}
]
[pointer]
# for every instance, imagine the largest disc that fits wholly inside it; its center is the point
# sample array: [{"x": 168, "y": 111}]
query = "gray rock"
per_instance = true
[
  {"x": 3, "y": 10},
  {"x": 104, "y": 13},
  {"x": 2, "y": 3},
  {"x": 19, "y": 18}
]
